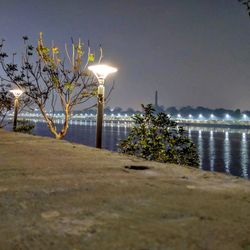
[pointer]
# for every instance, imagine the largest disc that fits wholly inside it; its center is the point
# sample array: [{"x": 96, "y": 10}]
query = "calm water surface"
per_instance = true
[{"x": 222, "y": 150}]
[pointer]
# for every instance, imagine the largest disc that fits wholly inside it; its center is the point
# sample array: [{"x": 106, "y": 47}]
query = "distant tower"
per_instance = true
[{"x": 156, "y": 99}]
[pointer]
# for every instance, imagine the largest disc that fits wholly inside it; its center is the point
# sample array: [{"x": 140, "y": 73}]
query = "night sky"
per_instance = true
[{"x": 194, "y": 52}]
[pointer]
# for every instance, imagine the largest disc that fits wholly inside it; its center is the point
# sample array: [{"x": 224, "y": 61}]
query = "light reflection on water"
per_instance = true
[
  {"x": 244, "y": 155},
  {"x": 200, "y": 147},
  {"x": 227, "y": 155},
  {"x": 222, "y": 150},
  {"x": 211, "y": 150}
]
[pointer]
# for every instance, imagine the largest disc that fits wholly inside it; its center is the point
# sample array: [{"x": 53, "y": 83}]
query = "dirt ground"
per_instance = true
[{"x": 59, "y": 195}]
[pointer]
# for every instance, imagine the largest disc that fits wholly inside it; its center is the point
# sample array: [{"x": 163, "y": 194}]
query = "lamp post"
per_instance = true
[
  {"x": 17, "y": 93},
  {"x": 101, "y": 71}
]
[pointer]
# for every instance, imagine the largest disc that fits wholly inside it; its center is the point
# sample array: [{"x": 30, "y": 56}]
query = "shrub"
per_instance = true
[
  {"x": 24, "y": 126},
  {"x": 157, "y": 137}
]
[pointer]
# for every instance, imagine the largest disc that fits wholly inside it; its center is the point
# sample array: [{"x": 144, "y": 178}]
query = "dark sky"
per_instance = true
[{"x": 194, "y": 52}]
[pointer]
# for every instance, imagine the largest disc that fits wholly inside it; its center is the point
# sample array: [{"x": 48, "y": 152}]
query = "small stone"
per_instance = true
[
  {"x": 23, "y": 205},
  {"x": 3, "y": 189},
  {"x": 50, "y": 214}
]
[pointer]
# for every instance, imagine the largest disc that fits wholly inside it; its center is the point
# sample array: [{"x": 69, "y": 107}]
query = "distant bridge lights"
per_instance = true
[{"x": 224, "y": 118}]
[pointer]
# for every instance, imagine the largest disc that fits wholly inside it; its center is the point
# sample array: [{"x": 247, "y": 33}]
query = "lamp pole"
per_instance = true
[
  {"x": 99, "y": 118},
  {"x": 16, "y": 104},
  {"x": 17, "y": 93},
  {"x": 101, "y": 71}
]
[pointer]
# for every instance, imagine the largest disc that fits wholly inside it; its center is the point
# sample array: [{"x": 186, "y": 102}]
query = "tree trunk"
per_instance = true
[
  {"x": 64, "y": 130},
  {"x": 51, "y": 125}
]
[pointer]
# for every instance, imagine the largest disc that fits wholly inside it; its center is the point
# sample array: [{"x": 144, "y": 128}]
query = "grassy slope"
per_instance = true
[{"x": 58, "y": 195}]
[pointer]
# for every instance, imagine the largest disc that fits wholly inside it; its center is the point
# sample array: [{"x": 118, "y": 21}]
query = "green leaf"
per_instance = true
[
  {"x": 69, "y": 86},
  {"x": 91, "y": 58}
]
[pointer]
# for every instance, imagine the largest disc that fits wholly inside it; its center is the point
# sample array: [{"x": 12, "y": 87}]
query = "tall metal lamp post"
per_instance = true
[
  {"x": 17, "y": 93},
  {"x": 101, "y": 71}
]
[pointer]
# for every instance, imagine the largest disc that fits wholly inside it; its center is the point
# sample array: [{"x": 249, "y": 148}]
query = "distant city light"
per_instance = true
[
  {"x": 244, "y": 116},
  {"x": 190, "y": 116},
  {"x": 227, "y": 116},
  {"x": 212, "y": 116},
  {"x": 179, "y": 116},
  {"x": 200, "y": 116}
]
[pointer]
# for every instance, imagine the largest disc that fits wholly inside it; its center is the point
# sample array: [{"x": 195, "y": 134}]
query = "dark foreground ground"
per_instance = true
[{"x": 58, "y": 195}]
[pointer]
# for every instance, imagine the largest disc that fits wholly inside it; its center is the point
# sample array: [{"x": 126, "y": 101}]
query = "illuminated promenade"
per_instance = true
[{"x": 200, "y": 120}]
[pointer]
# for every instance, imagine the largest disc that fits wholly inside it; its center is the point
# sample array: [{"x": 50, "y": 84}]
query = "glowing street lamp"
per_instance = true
[
  {"x": 101, "y": 71},
  {"x": 212, "y": 116},
  {"x": 190, "y": 116},
  {"x": 17, "y": 93}
]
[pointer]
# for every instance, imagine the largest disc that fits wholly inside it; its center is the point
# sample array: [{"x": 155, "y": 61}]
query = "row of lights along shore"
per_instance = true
[
  {"x": 101, "y": 71},
  {"x": 212, "y": 117}
]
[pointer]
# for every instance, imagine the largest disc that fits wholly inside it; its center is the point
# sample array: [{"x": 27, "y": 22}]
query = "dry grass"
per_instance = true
[{"x": 58, "y": 195}]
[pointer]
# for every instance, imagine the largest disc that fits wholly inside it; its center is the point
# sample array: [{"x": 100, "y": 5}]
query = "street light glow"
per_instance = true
[
  {"x": 101, "y": 71},
  {"x": 16, "y": 92}
]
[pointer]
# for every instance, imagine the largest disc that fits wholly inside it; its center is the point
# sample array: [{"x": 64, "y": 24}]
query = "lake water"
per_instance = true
[{"x": 221, "y": 150}]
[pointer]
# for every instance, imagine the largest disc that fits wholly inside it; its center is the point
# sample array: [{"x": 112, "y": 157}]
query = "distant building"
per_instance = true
[{"x": 156, "y": 99}]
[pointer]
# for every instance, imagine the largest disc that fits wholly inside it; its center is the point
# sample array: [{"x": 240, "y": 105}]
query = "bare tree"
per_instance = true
[
  {"x": 6, "y": 104},
  {"x": 247, "y": 3},
  {"x": 52, "y": 78}
]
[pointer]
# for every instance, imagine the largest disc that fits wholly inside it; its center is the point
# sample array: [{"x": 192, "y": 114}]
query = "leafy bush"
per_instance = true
[
  {"x": 157, "y": 137},
  {"x": 24, "y": 126}
]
